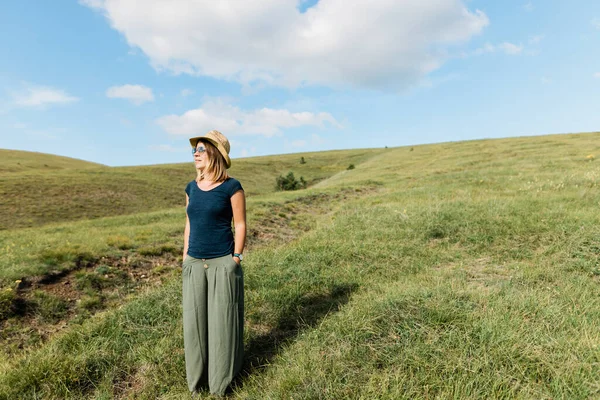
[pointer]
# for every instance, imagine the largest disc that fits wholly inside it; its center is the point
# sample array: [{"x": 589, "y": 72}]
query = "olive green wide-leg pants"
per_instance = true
[{"x": 213, "y": 321}]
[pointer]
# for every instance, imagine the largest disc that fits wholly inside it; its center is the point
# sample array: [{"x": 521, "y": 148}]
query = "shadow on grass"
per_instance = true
[{"x": 307, "y": 312}]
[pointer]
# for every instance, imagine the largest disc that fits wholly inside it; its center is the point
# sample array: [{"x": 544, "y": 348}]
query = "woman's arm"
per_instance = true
[
  {"x": 238, "y": 205},
  {"x": 186, "y": 232}
]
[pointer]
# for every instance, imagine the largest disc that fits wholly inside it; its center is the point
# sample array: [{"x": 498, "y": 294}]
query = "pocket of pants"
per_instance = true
[
  {"x": 234, "y": 265},
  {"x": 232, "y": 283},
  {"x": 186, "y": 261}
]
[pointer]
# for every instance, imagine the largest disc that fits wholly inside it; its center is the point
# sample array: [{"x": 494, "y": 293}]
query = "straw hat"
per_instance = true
[{"x": 218, "y": 140}]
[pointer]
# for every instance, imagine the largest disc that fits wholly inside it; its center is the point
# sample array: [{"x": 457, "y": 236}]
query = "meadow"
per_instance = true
[{"x": 462, "y": 270}]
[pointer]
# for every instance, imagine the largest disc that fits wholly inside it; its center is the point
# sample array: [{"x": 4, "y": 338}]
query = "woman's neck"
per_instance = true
[{"x": 205, "y": 178}]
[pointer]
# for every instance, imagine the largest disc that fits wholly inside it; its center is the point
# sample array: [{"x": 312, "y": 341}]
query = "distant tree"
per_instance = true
[
  {"x": 289, "y": 182},
  {"x": 351, "y": 166},
  {"x": 302, "y": 160}
]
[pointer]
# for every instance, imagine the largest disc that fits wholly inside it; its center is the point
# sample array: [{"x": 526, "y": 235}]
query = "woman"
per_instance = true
[{"x": 213, "y": 282}]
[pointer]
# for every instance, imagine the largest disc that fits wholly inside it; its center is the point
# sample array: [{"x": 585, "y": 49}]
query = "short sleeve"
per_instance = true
[
  {"x": 188, "y": 188},
  {"x": 234, "y": 187}
]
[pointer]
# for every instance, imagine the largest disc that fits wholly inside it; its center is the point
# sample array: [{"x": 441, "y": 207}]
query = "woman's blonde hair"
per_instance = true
[{"x": 216, "y": 168}]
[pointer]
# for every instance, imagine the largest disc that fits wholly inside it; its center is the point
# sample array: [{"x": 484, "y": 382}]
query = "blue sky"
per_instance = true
[{"x": 110, "y": 82}]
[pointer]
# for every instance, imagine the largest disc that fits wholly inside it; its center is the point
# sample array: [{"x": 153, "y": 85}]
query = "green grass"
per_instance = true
[
  {"x": 63, "y": 247},
  {"x": 73, "y": 190},
  {"x": 467, "y": 270},
  {"x": 14, "y": 161},
  {"x": 48, "y": 307}
]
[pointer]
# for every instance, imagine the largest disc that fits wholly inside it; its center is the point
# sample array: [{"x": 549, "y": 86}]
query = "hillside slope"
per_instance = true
[
  {"x": 34, "y": 197},
  {"x": 12, "y": 161}
]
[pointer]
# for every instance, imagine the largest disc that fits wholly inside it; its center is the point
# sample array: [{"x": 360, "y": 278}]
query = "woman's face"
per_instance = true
[{"x": 201, "y": 156}]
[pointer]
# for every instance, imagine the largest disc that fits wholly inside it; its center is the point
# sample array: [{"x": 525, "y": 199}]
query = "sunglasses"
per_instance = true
[{"x": 199, "y": 149}]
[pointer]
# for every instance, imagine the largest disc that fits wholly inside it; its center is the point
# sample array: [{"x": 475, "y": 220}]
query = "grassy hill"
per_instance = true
[
  {"x": 69, "y": 190},
  {"x": 455, "y": 270},
  {"x": 12, "y": 161}
]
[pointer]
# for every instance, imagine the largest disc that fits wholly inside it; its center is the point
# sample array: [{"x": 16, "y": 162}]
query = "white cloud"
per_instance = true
[
  {"x": 96, "y": 4},
  {"x": 511, "y": 49},
  {"x": 596, "y": 23},
  {"x": 487, "y": 48},
  {"x": 597, "y": 75},
  {"x": 536, "y": 39},
  {"x": 528, "y": 7},
  {"x": 231, "y": 120},
  {"x": 137, "y": 94},
  {"x": 545, "y": 80},
  {"x": 186, "y": 92},
  {"x": 506, "y": 47},
  {"x": 41, "y": 96},
  {"x": 381, "y": 44}
]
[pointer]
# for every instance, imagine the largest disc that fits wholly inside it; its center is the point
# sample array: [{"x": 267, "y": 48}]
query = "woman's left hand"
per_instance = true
[{"x": 237, "y": 260}]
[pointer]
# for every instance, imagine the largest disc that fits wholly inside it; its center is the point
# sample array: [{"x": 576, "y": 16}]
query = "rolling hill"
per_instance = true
[
  {"x": 14, "y": 161},
  {"x": 69, "y": 190}
]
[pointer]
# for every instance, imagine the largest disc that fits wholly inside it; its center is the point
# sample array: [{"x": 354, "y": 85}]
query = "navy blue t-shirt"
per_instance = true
[{"x": 210, "y": 215}]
